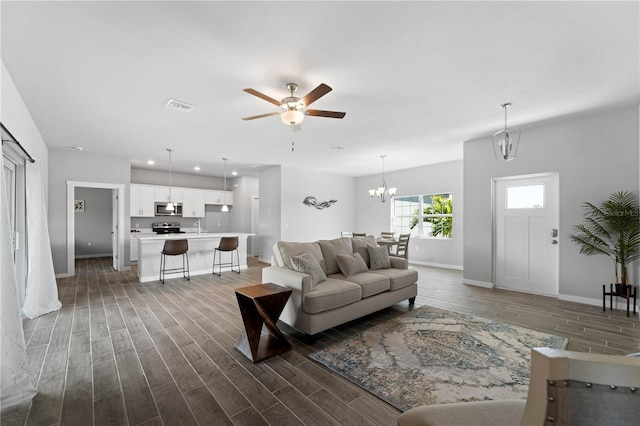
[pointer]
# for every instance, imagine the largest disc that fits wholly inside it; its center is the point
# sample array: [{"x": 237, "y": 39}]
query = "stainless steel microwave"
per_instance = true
[{"x": 161, "y": 210}]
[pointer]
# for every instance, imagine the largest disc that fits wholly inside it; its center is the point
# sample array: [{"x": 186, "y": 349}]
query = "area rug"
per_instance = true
[{"x": 434, "y": 356}]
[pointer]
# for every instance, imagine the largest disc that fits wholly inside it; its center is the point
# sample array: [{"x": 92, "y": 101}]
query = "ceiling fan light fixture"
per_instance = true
[{"x": 292, "y": 117}]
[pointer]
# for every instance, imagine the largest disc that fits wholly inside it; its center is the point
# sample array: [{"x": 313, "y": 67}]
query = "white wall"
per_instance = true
[
  {"x": 594, "y": 155},
  {"x": 68, "y": 165},
  {"x": 93, "y": 225},
  {"x": 373, "y": 217},
  {"x": 16, "y": 118},
  {"x": 244, "y": 188}
]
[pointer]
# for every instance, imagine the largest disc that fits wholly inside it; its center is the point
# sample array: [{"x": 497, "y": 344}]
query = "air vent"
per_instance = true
[{"x": 179, "y": 106}]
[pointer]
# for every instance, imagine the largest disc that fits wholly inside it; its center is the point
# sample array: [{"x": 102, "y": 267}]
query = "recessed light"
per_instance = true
[
  {"x": 151, "y": 162},
  {"x": 337, "y": 148},
  {"x": 234, "y": 173},
  {"x": 77, "y": 148},
  {"x": 196, "y": 168}
]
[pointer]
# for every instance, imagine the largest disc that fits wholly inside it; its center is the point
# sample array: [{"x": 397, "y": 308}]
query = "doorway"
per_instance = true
[
  {"x": 118, "y": 219},
  {"x": 526, "y": 217}
]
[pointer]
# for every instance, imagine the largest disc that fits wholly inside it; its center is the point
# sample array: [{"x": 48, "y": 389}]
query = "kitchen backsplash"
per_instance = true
[{"x": 214, "y": 221}]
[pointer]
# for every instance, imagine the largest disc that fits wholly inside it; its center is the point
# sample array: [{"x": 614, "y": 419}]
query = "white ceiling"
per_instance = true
[{"x": 416, "y": 79}]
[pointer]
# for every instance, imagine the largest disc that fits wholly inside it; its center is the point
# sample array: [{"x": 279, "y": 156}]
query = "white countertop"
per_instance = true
[{"x": 189, "y": 236}]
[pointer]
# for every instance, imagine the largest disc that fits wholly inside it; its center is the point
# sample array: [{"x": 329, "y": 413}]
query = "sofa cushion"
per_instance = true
[
  {"x": 330, "y": 294},
  {"x": 351, "y": 264},
  {"x": 330, "y": 249},
  {"x": 308, "y": 264},
  {"x": 360, "y": 246},
  {"x": 398, "y": 278},
  {"x": 371, "y": 283},
  {"x": 379, "y": 258},
  {"x": 287, "y": 249}
]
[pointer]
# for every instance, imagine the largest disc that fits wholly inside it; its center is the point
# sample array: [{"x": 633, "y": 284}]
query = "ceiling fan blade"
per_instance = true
[
  {"x": 269, "y": 114},
  {"x": 320, "y": 113},
  {"x": 315, "y": 94},
  {"x": 263, "y": 96}
]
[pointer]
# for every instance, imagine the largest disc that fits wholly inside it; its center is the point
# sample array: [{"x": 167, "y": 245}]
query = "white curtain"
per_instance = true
[
  {"x": 16, "y": 387},
  {"x": 42, "y": 292}
]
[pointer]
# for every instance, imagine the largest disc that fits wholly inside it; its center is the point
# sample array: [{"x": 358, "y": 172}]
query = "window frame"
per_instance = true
[{"x": 423, "y": 231}]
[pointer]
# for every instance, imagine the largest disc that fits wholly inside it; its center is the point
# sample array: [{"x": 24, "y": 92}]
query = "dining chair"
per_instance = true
[
  {"x": 229, "y": 245},
  {"x": 387, "y": 235},
  {"x": 174, "y": 248},
  {"x": 402, "y": 248},
  {"x": 358, "y": 234},
  {"x": 346, "y": 234}
]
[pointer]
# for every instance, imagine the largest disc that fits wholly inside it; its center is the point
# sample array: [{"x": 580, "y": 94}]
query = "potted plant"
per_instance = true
[{"x": 612, "y": 229}]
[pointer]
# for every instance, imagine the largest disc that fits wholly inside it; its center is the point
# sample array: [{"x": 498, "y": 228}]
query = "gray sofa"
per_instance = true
[{"x": 349, "y": 291}]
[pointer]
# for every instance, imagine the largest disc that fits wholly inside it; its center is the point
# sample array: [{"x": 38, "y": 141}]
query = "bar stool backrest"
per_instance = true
[
  {"x": 228, "y": 244},
  {"x": 175, "y": 247}
]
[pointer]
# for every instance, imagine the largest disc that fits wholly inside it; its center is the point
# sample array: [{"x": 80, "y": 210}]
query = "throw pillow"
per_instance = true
[
  {"x": 360, "y": 246},
  {"x": 307, "y": 264},
  {"x": 379, "y": 257},
  {"x": 351, "y": 264},
  {"x": 332, "y": 248}
]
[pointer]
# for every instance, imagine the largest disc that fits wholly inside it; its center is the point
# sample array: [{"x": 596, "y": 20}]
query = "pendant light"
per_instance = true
[
  {"x": 505, "y": 142},
  {"x": 225, "y": 208},
  {"x": 170, "y": 207},
  {"x": 383, "y": 193}
]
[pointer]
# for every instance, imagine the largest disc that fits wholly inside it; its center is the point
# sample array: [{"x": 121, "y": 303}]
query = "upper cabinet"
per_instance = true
[
  {"x": 142, "y": 200},
  {"x": 193, "y": 203},
  {"x": 162, "y": 194},
  {"x": 218, "y": 197}
]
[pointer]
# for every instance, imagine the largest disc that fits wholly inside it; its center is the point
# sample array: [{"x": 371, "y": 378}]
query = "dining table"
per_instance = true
[{"x": 388, "y": 242}]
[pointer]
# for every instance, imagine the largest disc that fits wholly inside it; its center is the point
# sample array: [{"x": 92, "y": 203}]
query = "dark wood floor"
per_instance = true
[{"x": 120, "y": 352}]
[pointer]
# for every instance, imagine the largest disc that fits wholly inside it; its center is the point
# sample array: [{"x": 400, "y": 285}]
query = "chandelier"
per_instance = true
[
  {"x": 170, "y": 207},
  {"x": 505, "y": 142},
  {"x": 383, "y": 193}
]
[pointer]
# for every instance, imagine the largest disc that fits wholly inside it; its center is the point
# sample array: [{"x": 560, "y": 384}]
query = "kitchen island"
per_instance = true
[{"x": 201, "y": 247}]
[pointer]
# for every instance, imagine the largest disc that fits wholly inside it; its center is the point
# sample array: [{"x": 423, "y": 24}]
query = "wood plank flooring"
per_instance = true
[{"x": 124, "y": 353}]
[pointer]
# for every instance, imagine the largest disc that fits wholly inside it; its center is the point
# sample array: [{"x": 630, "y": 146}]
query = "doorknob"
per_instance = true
[
  {"x": 554, "y": 233},
  {"x": 554, "y": 241}
]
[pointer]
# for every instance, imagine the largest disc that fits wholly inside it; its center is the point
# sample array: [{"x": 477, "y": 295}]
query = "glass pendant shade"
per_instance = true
[
  {"x": 225, "y": 207},
  {"x": 505, "y": 142},
  {"x": 292, "y": 117}
]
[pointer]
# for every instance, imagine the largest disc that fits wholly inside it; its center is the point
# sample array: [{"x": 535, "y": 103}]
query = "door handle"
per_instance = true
[
  {"x": 554, "y": 241},
  {"x": 554, "y": 233}
]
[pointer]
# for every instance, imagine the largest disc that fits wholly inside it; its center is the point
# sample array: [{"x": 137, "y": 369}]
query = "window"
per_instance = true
[
  {"x": 424, "y": 215},
  {"x": 525, "y": 197}
]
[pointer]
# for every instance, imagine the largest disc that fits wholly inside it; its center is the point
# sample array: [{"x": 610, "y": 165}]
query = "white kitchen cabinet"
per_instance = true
[
  {"x": 162, "y": 194},
  {"x": 218, "y": 197},
  {"x": 141, "y": 200},
  {"x": 133, "y": 247},
  {"x": 193, "y": 203}
]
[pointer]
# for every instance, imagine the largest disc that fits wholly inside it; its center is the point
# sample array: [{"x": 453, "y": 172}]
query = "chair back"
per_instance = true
[
  {"x": 228, "y": 244},
  {"x": 175, "y": 247},
  {"x": 346, "y": 234},
  {"x": 402, "y": 249},
  {"x": 387, "y": 235},
  {"x": 358, "y": 235}
]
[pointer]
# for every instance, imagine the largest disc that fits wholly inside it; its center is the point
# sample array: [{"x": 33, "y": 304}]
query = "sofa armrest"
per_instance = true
[
  {"x": 287, "y": 278},
  {"x": 399, "y": 262}
]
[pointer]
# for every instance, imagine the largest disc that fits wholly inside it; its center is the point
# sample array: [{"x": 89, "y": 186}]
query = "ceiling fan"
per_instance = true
[{"x": 294, "y": 108}]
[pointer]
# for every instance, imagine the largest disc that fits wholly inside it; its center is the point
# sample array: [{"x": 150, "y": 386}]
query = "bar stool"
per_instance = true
[
  {"x": 174, "y": 248},
  {"x": 227, "y": 244}
]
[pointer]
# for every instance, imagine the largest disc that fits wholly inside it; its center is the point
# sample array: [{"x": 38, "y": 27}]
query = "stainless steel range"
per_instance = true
[{"x": 166, "y": 228}]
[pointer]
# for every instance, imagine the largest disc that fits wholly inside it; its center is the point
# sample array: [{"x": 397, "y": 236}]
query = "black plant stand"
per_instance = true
[{"x": 625, "y": 291}]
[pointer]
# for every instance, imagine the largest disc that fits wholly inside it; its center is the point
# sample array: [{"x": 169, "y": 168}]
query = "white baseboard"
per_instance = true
[
  {"x": 437, "y": 265},
  {"x": 89, "y": 256},
  {"x": 597, "y": 302},
  {"x": 263, "y": 260},
  {"x": 477, "y": 283},
  {"x": 64, "y": 275}
]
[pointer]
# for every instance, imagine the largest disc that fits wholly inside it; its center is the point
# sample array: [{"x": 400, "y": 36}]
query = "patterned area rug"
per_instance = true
[{"x": 434, "y": 356}]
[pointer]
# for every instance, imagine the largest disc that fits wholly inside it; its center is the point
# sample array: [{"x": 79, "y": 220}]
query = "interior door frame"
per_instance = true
[
  {"x": 71, "y": 225},
  {"x": 494, "y": 225}
]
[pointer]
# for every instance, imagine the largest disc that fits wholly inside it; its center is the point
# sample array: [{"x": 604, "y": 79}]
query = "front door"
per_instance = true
[{"x": 526, "y": 215}]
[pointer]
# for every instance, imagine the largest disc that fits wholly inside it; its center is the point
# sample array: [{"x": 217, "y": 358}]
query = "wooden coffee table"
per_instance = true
[{"x": 261, "y": 305}]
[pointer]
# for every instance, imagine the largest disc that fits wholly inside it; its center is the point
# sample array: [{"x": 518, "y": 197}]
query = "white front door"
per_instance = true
[{"x": 526, "y": 215}]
